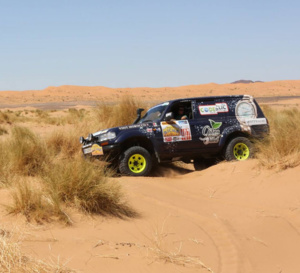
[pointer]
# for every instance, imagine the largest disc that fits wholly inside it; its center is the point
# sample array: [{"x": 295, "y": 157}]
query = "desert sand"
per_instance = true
[
  {"x": 68, "y": 95},
  {"x": 230, "y": 218}
]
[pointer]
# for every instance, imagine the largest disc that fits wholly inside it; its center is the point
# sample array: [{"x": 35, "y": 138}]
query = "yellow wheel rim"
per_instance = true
[
  {"x": 137, "y": 163},
  {"x": 241, "y": 151}
]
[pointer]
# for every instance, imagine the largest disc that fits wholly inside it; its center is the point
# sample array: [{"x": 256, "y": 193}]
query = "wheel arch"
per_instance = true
[
  {"x": 141, "y": 141},
  {"x": 231, "y": 137}
]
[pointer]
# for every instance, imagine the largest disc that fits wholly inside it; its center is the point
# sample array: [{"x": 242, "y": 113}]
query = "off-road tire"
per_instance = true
[
  {"x": 135, "y": 161},
  {"x": 239, "y": 148}
]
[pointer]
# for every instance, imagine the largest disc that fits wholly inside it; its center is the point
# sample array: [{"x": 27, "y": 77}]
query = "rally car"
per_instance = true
[{"x": 210, "y": 128}]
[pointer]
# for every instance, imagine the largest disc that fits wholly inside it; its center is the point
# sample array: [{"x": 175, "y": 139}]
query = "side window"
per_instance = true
[{"x": 182, "y": 110}]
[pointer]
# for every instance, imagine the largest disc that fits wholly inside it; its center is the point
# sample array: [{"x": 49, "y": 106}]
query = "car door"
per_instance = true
[
  {"x": 208, "y": 124},
  {"x": 174, "y": 137}
]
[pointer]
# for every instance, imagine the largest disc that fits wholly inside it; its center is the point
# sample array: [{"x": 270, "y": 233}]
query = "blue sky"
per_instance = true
[{"x": 154, "y": 43}]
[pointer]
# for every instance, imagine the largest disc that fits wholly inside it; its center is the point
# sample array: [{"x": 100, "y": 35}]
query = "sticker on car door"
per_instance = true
[{"x": 178, "y": 130}]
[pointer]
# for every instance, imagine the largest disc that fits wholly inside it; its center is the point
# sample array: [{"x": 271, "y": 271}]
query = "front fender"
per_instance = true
[{"x": 123, "y": 136}]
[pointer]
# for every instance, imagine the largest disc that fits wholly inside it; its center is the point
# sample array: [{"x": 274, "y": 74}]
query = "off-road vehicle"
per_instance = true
[{"x": 212, "y": 127}]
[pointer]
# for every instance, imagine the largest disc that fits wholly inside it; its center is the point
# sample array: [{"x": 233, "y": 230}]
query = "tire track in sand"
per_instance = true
[{"x": 218, "y": 230}]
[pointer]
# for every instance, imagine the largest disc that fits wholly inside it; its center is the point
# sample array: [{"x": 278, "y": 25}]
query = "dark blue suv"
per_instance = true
[{"x": 196, "y": 130}]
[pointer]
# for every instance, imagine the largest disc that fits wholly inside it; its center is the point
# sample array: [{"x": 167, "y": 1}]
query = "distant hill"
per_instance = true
[{"x": 245, "y": 81}]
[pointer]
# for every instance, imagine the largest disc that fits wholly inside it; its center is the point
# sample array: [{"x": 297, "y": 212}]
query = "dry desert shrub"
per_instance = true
[
  {"x": 4, "y": 117},
  {"x": 65, "y": 143},
  {"x": 32, "y": 200},
  {"x": 7, "y": 117},
  {"x": 11, "y": 117},
  {"x": 76, "y": 114},
  {"x": 44, "y": 181},
  {"x": 26, "y": 152},
  {"x": 281, "y": 148},
  {"x": 123, "y": 113},
  {"x": 72, "y": 116},
  {"x": 85, "y": 185},
  {"x": 42, "y": 114},
  {"x": 12, "y": 260}
]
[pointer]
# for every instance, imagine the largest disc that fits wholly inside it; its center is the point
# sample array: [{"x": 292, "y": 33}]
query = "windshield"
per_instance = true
[{"x": 154, "y": 113}]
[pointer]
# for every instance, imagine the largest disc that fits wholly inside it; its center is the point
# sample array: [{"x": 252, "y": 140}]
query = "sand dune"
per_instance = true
[
  {"x": 230, "y": 218},
  {"x": 83, "y": 94}
]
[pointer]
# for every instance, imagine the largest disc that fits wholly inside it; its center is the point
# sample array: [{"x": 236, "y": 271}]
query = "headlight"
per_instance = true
[
  {"x": 90, "y": 137},
  {"x": 81, "y": 140},
  {"x": 107, "y": 136}
]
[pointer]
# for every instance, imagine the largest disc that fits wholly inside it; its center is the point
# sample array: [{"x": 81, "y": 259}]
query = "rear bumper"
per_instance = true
[{"x": 260, "y": 131}]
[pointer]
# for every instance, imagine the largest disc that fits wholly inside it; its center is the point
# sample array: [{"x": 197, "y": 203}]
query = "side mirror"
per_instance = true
[{"x": 169, "y": 116}]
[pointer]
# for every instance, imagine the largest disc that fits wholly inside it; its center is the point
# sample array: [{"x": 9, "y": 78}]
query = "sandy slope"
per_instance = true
[{"x": 232, "y": 217}]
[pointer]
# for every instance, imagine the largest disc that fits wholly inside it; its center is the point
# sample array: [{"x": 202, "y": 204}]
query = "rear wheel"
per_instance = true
[
  {"x": 239, "y": 148},
  {"x": 135, "y": 161}
]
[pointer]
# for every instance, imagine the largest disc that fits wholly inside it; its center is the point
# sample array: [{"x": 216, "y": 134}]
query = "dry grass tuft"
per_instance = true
[
  {"x": 4, "y": 165},
  {"x": 34, "y": 203},
  {"x": 85, "y": 185},
  {"x": 48, "y": 175},
  {"x": 26, "y": 152},
  {"x": 123, "y": 113},
  {"x": 7, "y": 117},
  {"x": 160, "y": 252},
  {"x": 64, "y": 143},
  {"x": 77, "y": 114},
  {"x": 281, "y": 149},
  {"x": 12, "y": 260},
  {"x": 72, "y": 116}
]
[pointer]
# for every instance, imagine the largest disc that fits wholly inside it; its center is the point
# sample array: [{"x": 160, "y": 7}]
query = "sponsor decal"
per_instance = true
[
  {"x": 182, "y": 122},
  {"x": 131, "y": 127},
  {"x": 176, "y": 131},
  {"x": 149, "y": 130},
  {"x": 213, "y": 109},
  {"x": 211, "y": 133},
  {"x": 208, "y": 110},
  {"x": 97, "y": 150},
  {"x": 255, "y": 121},
  {"x": 245, "y": 110},
  {"x": 222, "y": 107},
  {"x": 168, "y": 139},
  {"x": 171, "y": 130}
]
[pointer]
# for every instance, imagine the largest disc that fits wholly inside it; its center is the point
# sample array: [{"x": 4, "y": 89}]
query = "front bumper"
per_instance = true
[{"x": 95, "y": 149}]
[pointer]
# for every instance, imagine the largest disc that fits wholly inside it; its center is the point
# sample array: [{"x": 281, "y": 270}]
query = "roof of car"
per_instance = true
[{"x": 211, "y": 98}]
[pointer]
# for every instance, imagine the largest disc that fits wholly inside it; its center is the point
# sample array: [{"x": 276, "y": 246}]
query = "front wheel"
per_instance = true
[
  {"x": 239, "y": 148},
  {"x": 135, "y": 161}
]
